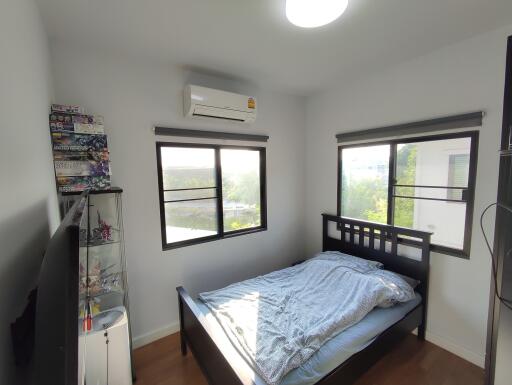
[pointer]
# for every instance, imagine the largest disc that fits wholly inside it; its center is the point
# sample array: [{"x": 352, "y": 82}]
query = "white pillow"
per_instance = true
[{"x": 342, "y": 257}]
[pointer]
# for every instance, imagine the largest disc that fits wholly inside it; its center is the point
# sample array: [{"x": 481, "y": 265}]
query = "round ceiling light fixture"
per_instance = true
[{"x": 314, "y": 13}]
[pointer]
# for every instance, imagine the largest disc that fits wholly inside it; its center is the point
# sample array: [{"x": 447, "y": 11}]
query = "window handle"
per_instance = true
[{"x": 465, "y": 195}]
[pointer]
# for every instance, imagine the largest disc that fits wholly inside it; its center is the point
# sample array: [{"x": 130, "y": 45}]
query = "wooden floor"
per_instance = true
[{"x": 412, "y": 363}]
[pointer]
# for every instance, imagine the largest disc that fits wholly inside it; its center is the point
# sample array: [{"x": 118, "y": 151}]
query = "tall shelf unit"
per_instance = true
[{"x": 104, "y": 311}]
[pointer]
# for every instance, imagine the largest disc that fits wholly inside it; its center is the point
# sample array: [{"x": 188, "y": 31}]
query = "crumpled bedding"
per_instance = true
[{"x": 281, "y": 319}]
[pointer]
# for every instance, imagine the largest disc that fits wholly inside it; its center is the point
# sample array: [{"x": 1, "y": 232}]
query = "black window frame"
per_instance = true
[
  {"x": 218, "y": 176},
  {"x": 469, "y": 195}
]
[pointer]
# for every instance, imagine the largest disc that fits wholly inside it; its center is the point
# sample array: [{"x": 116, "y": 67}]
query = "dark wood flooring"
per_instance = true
[{"x": 411, "y": 363}]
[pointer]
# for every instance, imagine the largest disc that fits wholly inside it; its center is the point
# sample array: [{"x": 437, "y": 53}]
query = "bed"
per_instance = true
[{"x": 345, "y": 357}]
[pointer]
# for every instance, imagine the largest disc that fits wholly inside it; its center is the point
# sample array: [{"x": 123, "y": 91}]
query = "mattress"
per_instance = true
[{"x": 335, "y": 351}]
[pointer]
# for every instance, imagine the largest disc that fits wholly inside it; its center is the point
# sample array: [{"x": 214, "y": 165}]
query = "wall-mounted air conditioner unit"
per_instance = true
[{"x": 210, "y": 103}]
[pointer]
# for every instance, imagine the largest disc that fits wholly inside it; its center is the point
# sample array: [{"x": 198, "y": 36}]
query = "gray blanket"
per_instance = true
[{"x": 282, "y": 318}]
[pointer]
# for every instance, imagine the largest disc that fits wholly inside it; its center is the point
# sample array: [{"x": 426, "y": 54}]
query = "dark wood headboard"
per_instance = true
[
  {"x": 383, "y": 243},
  {"x": 378, "y": 242}
]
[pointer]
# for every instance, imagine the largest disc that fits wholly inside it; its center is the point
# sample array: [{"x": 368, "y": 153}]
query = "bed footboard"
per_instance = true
[
  {"x": 222, "y": 365},
  {"x": 350, "y": 370},
  {"x": 215, "y": 358}
]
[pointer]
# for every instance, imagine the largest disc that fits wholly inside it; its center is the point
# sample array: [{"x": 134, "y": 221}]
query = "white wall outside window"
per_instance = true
[{"x": 445, "y": 219}]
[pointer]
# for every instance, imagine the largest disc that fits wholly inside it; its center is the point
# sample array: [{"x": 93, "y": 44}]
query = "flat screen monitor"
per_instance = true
[{"x": 57, "y": 313}]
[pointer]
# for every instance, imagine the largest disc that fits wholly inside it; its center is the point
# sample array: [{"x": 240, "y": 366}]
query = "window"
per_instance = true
[
  {"x": 424, "y": 183},
  {"x": 209, "y": 192},
  {"x": 364, "y": 184}
]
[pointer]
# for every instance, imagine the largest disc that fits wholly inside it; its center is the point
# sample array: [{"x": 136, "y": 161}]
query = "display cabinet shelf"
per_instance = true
[{"x": 103, "y": 293}]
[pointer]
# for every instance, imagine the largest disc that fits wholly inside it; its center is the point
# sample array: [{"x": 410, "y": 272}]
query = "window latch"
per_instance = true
[{"x": 465, "y": 193}]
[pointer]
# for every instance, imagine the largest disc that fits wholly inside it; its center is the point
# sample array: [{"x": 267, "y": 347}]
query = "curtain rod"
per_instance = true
[
  {"x": 168, "y": 131},
  {"x": 473, "y": 119}
]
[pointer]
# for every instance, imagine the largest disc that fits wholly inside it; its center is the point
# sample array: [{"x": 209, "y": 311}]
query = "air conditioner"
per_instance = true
[{"x": 210, "y": 103}]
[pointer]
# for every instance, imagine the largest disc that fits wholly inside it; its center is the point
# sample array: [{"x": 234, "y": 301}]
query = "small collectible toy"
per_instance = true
[{"x": 102, "y": 233}]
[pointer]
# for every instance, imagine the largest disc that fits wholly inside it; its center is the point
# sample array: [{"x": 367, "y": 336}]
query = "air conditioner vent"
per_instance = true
[{"x": 218, "y": 117}]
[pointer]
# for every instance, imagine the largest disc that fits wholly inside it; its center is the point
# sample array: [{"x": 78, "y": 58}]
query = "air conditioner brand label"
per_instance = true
[{"x": 251, "y": 103}]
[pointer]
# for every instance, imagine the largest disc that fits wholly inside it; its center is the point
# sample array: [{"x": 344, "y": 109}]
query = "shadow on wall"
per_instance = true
[
  {"x": 204, "y": 77},
  {"x": 23, "y": 239},
  {"x": 229, "y": 268}
]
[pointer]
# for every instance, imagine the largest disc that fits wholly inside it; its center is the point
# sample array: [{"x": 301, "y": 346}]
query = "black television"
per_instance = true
[{"x": 57, "y": 307}]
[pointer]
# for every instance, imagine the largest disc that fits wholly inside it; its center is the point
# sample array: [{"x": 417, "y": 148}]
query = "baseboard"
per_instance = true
[
  {"x": 451, "y": 346},
  {"x": 147, "y": 338}
]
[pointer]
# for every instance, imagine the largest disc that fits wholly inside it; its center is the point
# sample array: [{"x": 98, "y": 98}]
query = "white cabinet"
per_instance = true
[{"x": 107, "y": 349}]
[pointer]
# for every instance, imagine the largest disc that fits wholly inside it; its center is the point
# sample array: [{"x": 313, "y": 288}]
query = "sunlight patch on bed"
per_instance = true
[{"x": 246, "y": 310}]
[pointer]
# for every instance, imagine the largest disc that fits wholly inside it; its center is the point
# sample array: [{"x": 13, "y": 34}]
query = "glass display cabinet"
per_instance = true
[{"x": 103, "y": 314}]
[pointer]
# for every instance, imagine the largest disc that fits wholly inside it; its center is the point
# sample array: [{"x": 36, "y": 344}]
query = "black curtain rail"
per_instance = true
[
  {"x": 168, "y": 131},
  {"x": 473, "y": 119}
]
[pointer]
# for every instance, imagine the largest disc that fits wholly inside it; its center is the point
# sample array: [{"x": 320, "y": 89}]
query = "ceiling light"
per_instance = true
[{"x": 314, "y": 13}]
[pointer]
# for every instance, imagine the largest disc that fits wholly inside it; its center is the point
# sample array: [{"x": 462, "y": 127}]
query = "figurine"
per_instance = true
[{"x": 102, "y": 233}]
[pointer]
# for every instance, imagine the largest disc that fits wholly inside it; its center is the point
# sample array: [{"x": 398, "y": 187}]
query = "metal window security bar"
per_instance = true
[
  {"x": 463, "y": 189},
  {"x": 189, "y": 189}
]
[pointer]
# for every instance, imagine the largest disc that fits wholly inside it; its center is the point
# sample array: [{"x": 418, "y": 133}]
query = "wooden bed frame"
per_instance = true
[{"x": 221, "y": 363}]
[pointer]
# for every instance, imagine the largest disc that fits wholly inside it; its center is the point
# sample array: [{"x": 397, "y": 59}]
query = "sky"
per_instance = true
[{"x": 234, "y": 159}]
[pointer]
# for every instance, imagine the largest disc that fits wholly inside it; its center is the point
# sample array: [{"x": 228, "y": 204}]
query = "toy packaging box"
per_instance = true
[
  {"x": 66, "y": 141},
  {"x": 81, "y": 155},
  {"x": 67, "y": 109},
  {"x": 78, "y": 128},
  {"x": 80, "y": 149},
  {"x": 82, "y": 168},
  {"x": 56, "y": 117},
  {"x": 81, "y": 183}
]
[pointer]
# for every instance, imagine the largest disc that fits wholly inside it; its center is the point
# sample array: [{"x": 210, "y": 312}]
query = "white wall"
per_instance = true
[
  {"x": 465, "y": 77},
  {"x": 134, "y": 96},
  {"x": 28, "y": 204}
]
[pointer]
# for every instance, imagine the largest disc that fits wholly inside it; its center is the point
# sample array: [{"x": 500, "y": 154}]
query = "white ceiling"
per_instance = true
[{"x": 252, "y": 39}]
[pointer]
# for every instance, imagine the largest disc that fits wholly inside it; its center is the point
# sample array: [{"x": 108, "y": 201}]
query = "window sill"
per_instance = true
[
  {"x": 449, "y": 251},
  {"x": 438, "y": 249},
  {"x": 198, "y": 241}
]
